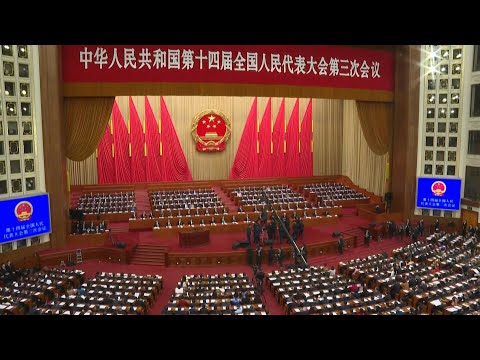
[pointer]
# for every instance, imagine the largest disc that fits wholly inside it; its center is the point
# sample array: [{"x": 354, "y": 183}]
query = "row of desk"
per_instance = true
[
  {"x": 146, "y": 224},
  {"x": 121, "y": 217},
  {"x": 192, "y": 212},
  {"x": 116, "y": 217}
]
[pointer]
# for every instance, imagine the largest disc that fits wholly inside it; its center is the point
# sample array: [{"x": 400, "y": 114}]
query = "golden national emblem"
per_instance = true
[{"x": 211, "y": 130}]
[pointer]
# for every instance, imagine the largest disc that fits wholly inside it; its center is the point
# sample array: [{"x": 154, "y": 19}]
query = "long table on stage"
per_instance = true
[
  {"x": 229, "y": 228},
  {"x": 147, "y": 224},
  {"x": 194, "y": 238},
  {"x": 88, "y": 240},
  {"x": 173, "y": 231},
  {"x": 320, "y": 211},
  {"x": 114, "y": 217}
]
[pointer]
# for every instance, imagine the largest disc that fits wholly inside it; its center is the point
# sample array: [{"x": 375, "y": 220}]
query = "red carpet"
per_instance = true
[{"x": 225, "y": 199}]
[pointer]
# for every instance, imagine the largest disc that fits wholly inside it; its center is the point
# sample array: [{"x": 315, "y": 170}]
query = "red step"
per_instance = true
[{"x": 149, "y": 254}]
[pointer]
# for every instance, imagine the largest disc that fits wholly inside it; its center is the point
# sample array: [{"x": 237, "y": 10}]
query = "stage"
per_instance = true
[{"x": 317, "y": 239}]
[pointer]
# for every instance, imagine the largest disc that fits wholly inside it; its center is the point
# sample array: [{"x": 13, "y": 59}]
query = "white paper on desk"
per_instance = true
[{"x": 436, "y": 303}]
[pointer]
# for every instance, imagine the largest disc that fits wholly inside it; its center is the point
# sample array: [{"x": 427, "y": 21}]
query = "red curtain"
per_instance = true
[
  {"x": 265, "y": 143},
  {"x": 278, "y": 137},
  {"x": 292, "y": 155},
  {"x": 174, "y": 161},
  {"x": 105, "y": 164},
  {"x": 306, "y": 154},
  {"x": 153, "y": 161},
  {"x": 137, "y": 143},
  {"x": 245, "y": 163},
  {"x": 121, "y": 156}
]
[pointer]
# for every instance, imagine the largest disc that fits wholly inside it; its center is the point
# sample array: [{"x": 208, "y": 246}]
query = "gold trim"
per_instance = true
[{"x": 211, "y": 145}]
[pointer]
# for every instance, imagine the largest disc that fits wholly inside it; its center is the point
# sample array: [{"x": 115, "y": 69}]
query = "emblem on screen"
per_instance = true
[
  {"x": 439, "y": 188},
  {"x": 23, "y": 211},
  {"x": 211, "y": 130}
]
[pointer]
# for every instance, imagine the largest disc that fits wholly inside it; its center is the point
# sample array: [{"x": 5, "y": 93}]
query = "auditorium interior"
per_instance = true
[{"x": 240, "y": 180}]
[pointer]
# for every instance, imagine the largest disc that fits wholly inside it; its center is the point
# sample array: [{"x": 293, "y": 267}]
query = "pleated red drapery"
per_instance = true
[
  {"x": 137, "y": 143},
  {"x": 245, "y": 163},
  {"x": 105, "y": 163},
  {"x": 306, "y": 154},
  {"x": 278, "y": 137},
  {"x": 121, "y": 156},
  {"x": 265, "y": 143},
  {"x": 153, "y": 161},
  {"x": 292, "y": 140},
  {"x": 174, "y": 161}
]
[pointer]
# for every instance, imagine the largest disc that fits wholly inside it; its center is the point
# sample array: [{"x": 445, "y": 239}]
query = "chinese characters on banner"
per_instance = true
[
  {"x": 439, "y": 193},
  {"x": 328, "y": 66}
]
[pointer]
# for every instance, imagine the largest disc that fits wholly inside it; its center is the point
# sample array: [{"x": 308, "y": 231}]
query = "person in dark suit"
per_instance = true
[
  {"x": 340, "y": 245},
  {"x": 401, "y": 231},
  {"x": 259, "y": 279},
  {"x": 264, "y": 215},
  {"x": 280, "y": 257},
  {"x": 271, "y": 256},
  {"x": 259, "y": 256},
  {"x": 249, "y": 234},
  {"x": 301, "y": 227},
  {"x": 366, "y": 239},
  {"x": 257, "y": 229},
  {"x": 464, "y": 228},
  {"x": 303, "y": 252},
  {"x": 271, "y": 230}
]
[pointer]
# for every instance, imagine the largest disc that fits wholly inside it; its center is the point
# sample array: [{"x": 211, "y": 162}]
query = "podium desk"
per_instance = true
[{"x": 194, "y": 238}]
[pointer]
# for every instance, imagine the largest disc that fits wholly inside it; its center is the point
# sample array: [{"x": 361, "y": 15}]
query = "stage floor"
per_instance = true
[{"x": 222, "y": 242}]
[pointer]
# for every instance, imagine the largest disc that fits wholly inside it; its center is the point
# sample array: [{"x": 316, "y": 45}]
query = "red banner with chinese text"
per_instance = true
[{"x": 299, "y": 65}]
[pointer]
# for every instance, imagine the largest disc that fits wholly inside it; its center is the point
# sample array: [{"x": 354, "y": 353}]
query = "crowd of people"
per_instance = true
[
  {"x": 54, "y": 291},
  {"x": 329, "y": 193},
  {"x": 184, "y": 199},
  {"x": 118, "y": 202},
  {"x": 220, "y": 294}
]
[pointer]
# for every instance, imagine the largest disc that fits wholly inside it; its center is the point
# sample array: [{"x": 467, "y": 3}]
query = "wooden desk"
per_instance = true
[
  {"x": 148, "y": 224},
  {"x": 90, "y": 240},
  {"x": 184, "y": 212},
  {"x": 320, "y": 211},
  {"x": 113, "y": 217},
  {"x": 194, "y": 238},
  {"x": 229, "y": 228}
]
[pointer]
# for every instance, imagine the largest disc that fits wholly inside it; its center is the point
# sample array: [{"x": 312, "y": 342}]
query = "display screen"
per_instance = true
[
  {"x": 439, "y": 194},
  {"x": 24, "y": 217}
]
